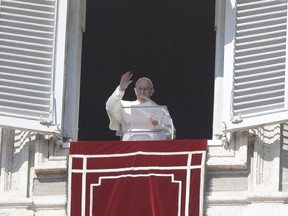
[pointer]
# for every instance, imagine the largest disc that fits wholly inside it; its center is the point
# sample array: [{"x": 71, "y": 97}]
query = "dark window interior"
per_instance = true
[{"x": 171, "y": 42}]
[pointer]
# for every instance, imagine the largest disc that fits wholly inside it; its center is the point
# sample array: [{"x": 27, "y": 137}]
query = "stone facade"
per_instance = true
[
  {"x": 246, "y": 174},
  {"x": 33, "y": 177}
]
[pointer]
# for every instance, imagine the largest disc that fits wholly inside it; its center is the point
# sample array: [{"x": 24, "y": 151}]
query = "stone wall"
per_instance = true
[
  {"x": 257, "y": 185},
  {"x": 246, "y": 174},
  {"x": 33, "y": 175}
]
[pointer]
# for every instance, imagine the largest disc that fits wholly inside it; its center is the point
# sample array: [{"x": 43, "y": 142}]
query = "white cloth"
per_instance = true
[{"x": 114, "y": 108}]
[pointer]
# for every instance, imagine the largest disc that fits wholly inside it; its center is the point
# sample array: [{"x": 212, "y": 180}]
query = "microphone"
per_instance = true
[{"x": 148, "y": 99}]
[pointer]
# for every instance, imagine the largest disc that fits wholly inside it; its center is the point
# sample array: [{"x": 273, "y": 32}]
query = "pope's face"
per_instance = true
[{"x": 143, "y": 90}]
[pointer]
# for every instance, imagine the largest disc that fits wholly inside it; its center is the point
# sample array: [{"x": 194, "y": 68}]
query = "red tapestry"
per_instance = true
[{"x": 145, "y": 178}]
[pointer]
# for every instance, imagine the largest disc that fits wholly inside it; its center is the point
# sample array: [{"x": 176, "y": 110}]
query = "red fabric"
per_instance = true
[{"x": 157, "y": 178}]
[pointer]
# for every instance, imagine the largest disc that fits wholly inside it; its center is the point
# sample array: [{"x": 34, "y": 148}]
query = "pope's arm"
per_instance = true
[
  {"x": 114, "y": 105},
  {"x": 114, "y": 109}
]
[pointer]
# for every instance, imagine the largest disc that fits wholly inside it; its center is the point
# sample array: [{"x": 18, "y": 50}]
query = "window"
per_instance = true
[
  {"x": 32, "y": 49},
  {"x": 255, "y": 68}
]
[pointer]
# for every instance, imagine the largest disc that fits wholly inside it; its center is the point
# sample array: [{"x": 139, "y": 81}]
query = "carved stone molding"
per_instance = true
[
  {"x": 228, "y": 155},
  {"x": 265, "y": 163}
]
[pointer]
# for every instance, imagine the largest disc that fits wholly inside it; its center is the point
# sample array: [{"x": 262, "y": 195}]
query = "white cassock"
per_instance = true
[{"x": 131, "y": 119}]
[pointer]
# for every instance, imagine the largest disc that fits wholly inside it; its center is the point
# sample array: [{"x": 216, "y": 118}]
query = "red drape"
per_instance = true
[{"x": 145, "y": 178}]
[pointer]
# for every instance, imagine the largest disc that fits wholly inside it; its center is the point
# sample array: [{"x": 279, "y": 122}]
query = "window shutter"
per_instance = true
[
  {"x": 256, "y": 93},
  {"x": 32, "y": 64}
]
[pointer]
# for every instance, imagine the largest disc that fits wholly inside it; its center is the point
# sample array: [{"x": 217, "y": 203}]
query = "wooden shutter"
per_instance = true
[
  {"x": 258, "y": 94},
  {"x": 30, "y": 62}
]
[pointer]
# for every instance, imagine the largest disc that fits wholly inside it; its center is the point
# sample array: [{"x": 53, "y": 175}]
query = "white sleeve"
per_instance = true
[{"x": 114, "y": 109}]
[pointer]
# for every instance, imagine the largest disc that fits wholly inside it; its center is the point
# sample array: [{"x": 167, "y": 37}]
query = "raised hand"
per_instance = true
[{"x": 125, "y": 80}]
